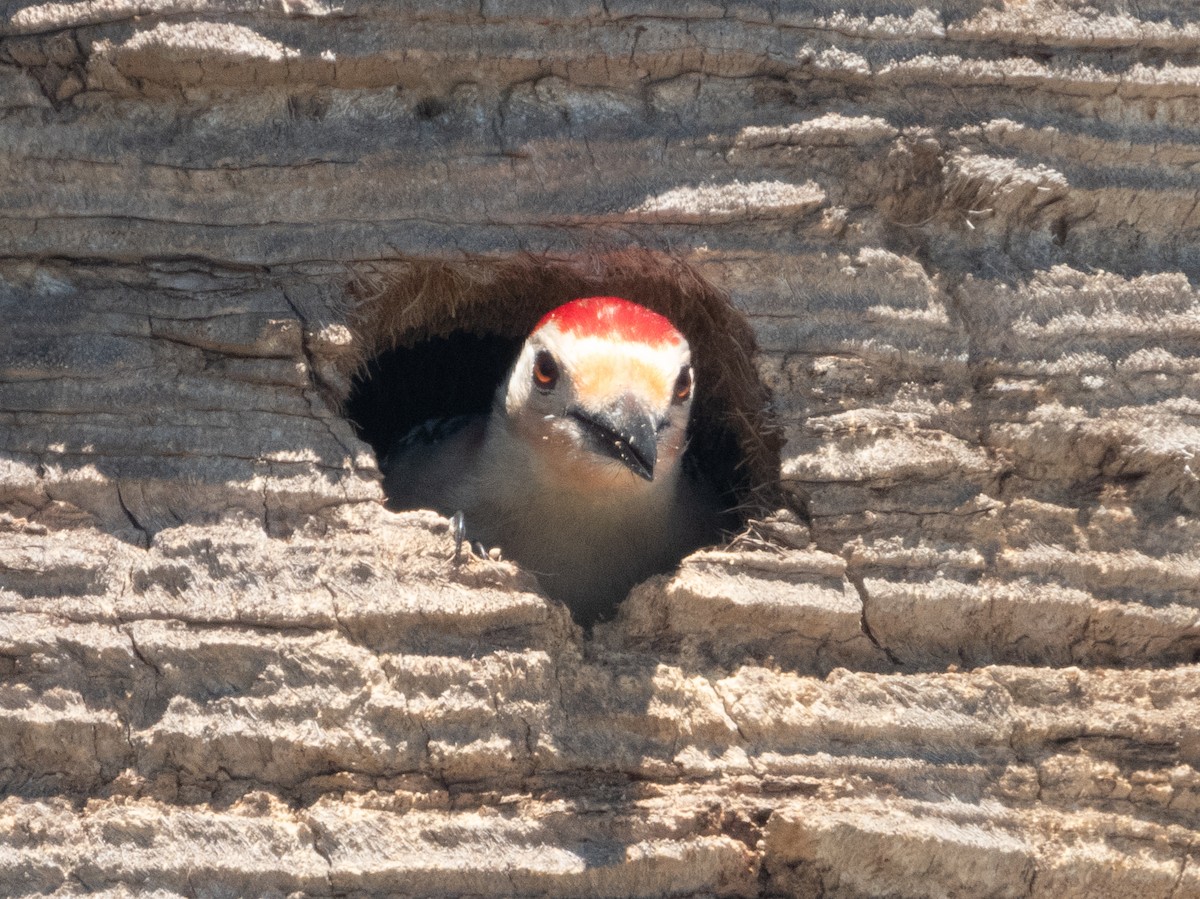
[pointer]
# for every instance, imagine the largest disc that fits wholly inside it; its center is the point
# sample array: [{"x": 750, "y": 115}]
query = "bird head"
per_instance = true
[{"x": 602, "y": 391}]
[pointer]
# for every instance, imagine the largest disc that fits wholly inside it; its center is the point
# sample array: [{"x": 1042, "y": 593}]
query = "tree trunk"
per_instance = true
[{"x": 960, "y": 660}]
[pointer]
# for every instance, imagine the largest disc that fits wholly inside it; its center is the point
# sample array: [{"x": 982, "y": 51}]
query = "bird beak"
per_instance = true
[{"x": 625, "y": 432}]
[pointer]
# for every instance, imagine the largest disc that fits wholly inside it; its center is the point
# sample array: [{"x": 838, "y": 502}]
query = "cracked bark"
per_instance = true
[{"x": 864, "y": 598}]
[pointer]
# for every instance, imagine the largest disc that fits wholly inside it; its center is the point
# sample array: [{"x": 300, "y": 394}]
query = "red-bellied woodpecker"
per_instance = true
[{"x": 576, "y": 474}]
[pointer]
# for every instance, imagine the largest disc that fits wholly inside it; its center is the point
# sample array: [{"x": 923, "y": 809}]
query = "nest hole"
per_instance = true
[{"x": 438, "y": 338}]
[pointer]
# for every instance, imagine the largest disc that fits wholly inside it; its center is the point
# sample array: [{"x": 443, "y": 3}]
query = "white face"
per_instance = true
[{"x": 609, "y": 414}]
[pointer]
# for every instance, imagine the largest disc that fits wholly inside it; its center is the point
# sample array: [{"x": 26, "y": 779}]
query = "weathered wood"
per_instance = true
[{"x": 964, "y": 237}]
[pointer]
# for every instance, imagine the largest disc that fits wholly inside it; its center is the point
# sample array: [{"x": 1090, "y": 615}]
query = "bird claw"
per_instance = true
[{"x": 458, "y": 527}]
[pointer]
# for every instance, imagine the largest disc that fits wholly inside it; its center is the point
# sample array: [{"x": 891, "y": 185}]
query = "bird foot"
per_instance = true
[{"x": 458, "y": 527}]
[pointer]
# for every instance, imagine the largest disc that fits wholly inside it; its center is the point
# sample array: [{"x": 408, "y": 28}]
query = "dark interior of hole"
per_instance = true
[
  {"x": 437, "y": 378},
  {"x": 459, "y": 374}
]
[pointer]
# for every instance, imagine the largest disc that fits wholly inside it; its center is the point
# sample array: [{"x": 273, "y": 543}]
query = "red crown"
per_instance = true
[{"x": 611, "y": 317}]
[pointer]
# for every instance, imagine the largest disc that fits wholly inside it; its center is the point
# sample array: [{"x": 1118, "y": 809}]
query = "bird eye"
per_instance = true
[
  {"x": 545, "y": 371},
  {"x": 683, "y": 385}
]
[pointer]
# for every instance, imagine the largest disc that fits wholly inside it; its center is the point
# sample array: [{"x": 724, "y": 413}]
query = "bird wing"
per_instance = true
[{"x": 423, "y": 468}]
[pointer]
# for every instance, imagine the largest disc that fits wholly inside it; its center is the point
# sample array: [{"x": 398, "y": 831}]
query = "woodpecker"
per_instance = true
[{"x": 577, "y": 473}]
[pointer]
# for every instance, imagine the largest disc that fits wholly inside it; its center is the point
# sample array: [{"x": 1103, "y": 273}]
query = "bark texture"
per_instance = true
[{"x": 965, "y": 237}]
